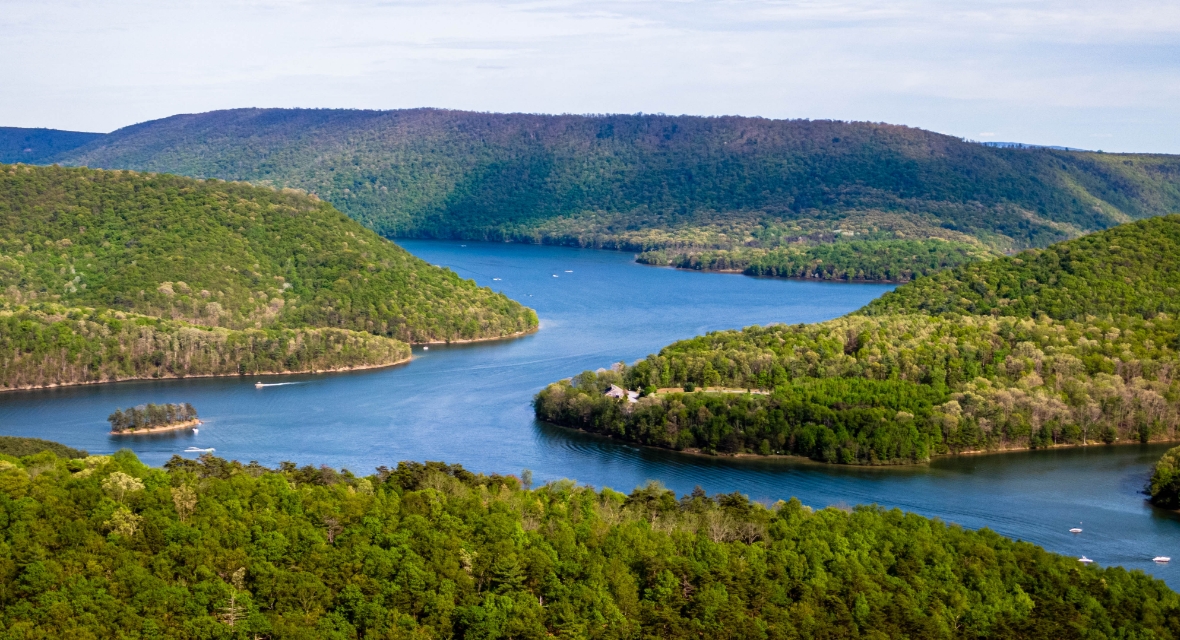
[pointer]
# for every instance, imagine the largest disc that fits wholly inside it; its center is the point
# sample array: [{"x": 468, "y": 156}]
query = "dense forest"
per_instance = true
[
  {"x": 1164, "y": 486},
  {"x": 48, "y": 344},
  {"x": 646, "y": 181},
  {"x": 150, "y": 416},
  {"x": 897, "y": 384},
  {"x": 21, "y": 447},
  {"x": 113, "y": 274},
  {"x": 104, "y": 546},
  {"x": 37, "y": 146},
  {"x": 870, "y": 260}
]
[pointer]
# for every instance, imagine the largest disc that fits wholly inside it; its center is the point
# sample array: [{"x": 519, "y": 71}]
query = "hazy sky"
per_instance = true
[{"x": 1093, "y": 74}]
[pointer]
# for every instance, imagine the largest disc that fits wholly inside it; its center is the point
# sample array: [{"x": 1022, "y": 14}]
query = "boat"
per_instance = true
[
  {"x": 1077, "y": 529},
  {"x": 497, "y": 279},
  {"x": 1084, "y": 560},
  {"x": 568, "y": 271},
  {"x": 1161, "y": 559},
  {"x": 199, "y": 450},
  {"x": 258, "y": 385},
  {"x": 555, "y": 275},
  {"x": 196, "y": 431},
  {"x": 426, "y": 348}
]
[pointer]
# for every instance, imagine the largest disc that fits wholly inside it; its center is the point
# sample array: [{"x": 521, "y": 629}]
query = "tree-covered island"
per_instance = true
[
  {"x": 151, "y": 418},
  {"x": 1078, "y": 343},
  {"x": 106, "y": 547}
]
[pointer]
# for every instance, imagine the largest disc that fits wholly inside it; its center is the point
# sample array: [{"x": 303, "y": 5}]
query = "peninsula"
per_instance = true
[{"x": 1075, "y": 344}]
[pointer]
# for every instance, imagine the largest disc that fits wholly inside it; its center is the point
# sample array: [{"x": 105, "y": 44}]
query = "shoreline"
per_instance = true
[
  {"x": 363, "y": 367},
  {"x": 509, "y": 336},
  {"x": 188, "y": 424},
  {"x": 791, "y": 457}
]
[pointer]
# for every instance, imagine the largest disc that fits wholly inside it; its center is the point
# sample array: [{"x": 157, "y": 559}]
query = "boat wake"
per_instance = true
[
  {"x": 199, "y": 450},
  {"x": 260, "y": 385}
]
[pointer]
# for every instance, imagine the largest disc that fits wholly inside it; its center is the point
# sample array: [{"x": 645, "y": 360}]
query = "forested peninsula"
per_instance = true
[
  {"x": 768, "y": 195},
  {"x": 110, "y": 275},
  {"x": 104, "y": 546},
  {"x": 1075, "y": 344}
]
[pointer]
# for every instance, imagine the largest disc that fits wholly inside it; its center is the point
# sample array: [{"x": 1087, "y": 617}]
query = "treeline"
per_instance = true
[
  {"x": 107, "y": 547},
  {"x": 46, "y": 345},
  {"x": 451, "y": 174},
  {"x": 20, "y": 447},
  {"x": 1130, "y": 269},
  {"x": 148, "y": 416},
  {"x": 225, "y": 255},
  {"x": 993, "y": 381},
  {"x": 968, "y": 383},
  {"x": 867, "y": 260},
  {"x": 1164, "y": 486}
]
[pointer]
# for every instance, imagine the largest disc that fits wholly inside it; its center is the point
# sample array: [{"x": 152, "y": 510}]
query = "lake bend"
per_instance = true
[{"x": 470, "y": 404}]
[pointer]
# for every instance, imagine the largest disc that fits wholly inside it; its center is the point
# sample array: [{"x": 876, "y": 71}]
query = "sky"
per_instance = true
[{"x": 1091, "y": 74}]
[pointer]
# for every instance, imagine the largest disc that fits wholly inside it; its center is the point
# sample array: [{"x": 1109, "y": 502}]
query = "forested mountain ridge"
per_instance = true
[
  {"x": 1072, "y": 344},
  {"x": 122, "y": 274},
  {"x": 650, "y": 181},
  {"x": 37, "y": 146},
  {"x": 104, "y": 546}
]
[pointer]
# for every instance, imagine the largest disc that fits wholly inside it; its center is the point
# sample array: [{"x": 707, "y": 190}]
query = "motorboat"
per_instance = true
[
  {"x": 258, "y": 385},
  {"x": 1084, "y": 560},
  {"x": 1161, "y": 559},
  {"x": 196, "y": 431},
  {"x": 1077, "y": 529}
]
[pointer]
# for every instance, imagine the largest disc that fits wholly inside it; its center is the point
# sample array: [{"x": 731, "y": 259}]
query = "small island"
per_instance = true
[{"x": 153, "y": 418}]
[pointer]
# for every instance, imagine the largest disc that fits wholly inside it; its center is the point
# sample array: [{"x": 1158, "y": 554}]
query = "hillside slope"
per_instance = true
[
  {"x": 652, "y": 181},
  {"x": 1075, "y": 344},
  {"x": 36, "y": 146},
  {"x": 113, "y": 274}
]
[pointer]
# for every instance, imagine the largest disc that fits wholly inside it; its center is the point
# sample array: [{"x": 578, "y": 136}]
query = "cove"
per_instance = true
[{"x": 470, "y": 404}]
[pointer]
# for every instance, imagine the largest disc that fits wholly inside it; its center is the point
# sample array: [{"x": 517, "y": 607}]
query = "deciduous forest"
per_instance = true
[
  {"x": 986, "y": 356},
  {"x": 104, "y": 546}
]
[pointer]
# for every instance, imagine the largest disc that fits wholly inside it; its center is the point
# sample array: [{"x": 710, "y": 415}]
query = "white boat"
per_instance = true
[
  {"x": 199, "y": 450},
  {"x": 1077, "y": 529},
  {"x": 196, "y": 431},
  {"x": 568, "y": 271},
  {"x": 426, "y": 348},
  {"x": 258, "y": 385},
  {"x": 1161, "y": 559},
  {"x": 1084, "y": 560},
  {"x": 555, "y": 275},
  {"x": 497, "y": 279}
]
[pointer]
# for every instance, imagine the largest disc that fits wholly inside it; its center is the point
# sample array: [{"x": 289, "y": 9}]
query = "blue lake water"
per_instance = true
[{"x": 471, "y": 404}]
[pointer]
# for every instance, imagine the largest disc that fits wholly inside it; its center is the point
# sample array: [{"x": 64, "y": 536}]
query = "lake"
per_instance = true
[{"x": 471, "y": 404}]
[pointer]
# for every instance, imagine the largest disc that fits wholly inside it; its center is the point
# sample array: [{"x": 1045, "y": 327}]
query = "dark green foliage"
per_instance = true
[
  {"x": 1131, "y": 269},
  {"x": 149, "y": 416},
  {"x": 873, "y": 260},
  {"x": 204, "y": 549},
  {"x": 49, "y": 344},
  {"x": 21, "y": 447},
  {"x": 35, "y": 146},
  {"x": 598, "y": 179},
  {"x": 228, "y": 255},
  {"x": 1164, "y": 487}
]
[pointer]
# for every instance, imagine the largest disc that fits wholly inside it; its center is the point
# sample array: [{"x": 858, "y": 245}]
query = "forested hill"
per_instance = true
[
  {"x": 36, "y": 146},
  {"x": 1131, "y": 269},
  {"x": 115, "y": 274},
  {"x": 1074, "y": 344},
  {"x": 651, "y": 181}
]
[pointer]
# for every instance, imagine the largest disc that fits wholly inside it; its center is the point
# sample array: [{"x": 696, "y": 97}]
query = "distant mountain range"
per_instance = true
[
  {"x": 650, "y": 181},
  {"x": 40, "y": 146}
]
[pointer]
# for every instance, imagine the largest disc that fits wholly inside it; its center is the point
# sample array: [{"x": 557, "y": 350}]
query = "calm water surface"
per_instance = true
[{"x": 470, "y": 404}]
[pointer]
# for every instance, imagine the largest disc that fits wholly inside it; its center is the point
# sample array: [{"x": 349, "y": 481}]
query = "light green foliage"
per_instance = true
[
  {"x": 47, "y": 344},
  {"x": 1164, "y": 486},
  {"x": 228, "y": 255},
  {"x": 1131, "y": 269},
  {"x": 599, "y": 179},
  {"x": 1035, "y": 371},
  {"x": 434, "y": 551}
]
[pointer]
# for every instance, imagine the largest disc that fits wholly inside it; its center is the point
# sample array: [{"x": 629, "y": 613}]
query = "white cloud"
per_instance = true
[{"x": 1047, "y": 71}]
